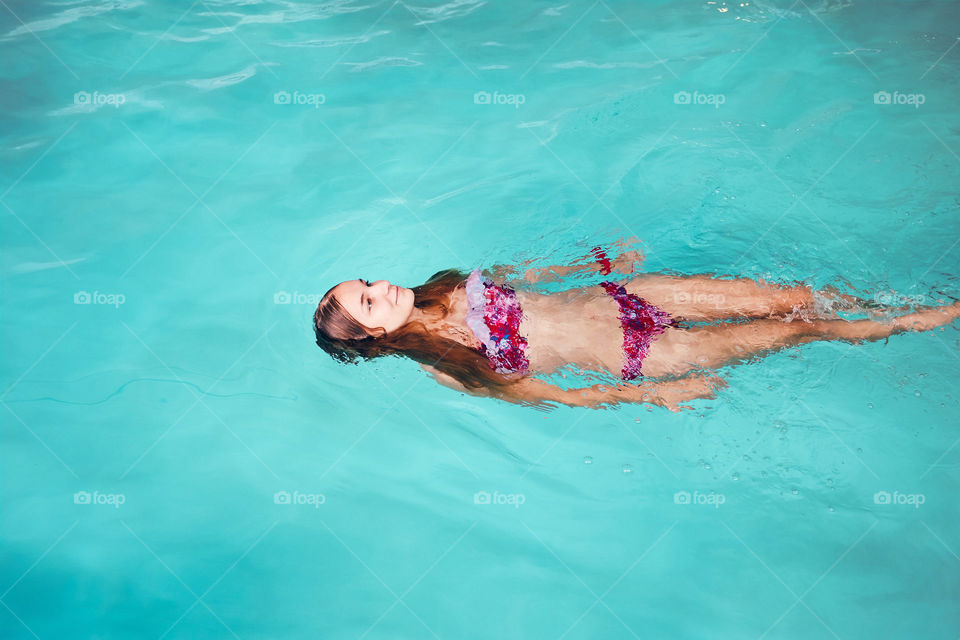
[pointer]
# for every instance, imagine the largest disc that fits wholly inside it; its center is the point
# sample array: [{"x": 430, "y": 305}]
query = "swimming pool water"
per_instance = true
[{"x": 181, "y": 181}]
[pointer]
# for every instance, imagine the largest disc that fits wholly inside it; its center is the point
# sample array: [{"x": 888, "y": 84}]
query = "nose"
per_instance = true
[{"x": 382, "y": 287}]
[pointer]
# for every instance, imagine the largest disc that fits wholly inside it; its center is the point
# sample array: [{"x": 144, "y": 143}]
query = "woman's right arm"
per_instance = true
[{"x": 668, "y": 394}]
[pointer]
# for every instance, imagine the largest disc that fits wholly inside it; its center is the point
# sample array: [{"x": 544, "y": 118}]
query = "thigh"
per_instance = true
[
  {"x": 703, "y": 297},
  {"x": 678, "y": 351}
]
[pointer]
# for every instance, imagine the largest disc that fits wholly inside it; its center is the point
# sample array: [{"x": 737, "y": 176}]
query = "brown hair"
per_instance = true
[{"x": 346, "y": 340}]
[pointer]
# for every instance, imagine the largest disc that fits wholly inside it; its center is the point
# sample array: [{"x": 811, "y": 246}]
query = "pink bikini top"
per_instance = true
[{"x": 494, "y": 316}]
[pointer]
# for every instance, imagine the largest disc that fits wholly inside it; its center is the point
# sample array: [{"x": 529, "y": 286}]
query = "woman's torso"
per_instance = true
[{"x": 578, "y": 327}]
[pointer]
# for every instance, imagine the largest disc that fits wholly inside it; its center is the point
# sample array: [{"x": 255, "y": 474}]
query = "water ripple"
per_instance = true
[
  {"x": 383, "y": 62},
  {"x": 121, "y": 388},
  {"x": 334, "y": 42},
  {"x": 455, "y": 9},
  {"x": 69, "y": 16}
]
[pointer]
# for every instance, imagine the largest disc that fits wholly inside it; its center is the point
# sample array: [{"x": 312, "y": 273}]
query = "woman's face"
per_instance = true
[{"x": 375, "y": 304}]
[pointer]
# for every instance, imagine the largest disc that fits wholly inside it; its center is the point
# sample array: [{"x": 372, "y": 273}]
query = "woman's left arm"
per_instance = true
[{"x": 624, "y": 263}]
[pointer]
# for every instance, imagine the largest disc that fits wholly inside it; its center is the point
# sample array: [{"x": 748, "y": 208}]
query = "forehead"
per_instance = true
[{"x": 348, "y": 295}]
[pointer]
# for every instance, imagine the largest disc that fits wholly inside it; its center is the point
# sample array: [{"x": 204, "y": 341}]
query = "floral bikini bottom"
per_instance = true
[{"x": 642, "y": 322}]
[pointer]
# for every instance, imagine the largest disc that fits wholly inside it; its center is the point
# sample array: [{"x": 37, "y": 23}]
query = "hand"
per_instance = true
[
  {"x": 628, "y": 255},
  {"x": 627, "y": 261},
  {"x": 669, "y": 394},
  {"x": 690, "y": 388}
]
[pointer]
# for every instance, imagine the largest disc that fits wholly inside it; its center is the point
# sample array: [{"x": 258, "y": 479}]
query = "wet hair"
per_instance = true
[{"x": 348, "y": 341}]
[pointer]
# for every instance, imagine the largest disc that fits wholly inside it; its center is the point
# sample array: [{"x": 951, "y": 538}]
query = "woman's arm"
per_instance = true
[
  {"x": 624, "y": 263},
  {"x": 532, "y": 391},
  {"x": 668, "y": 393}
]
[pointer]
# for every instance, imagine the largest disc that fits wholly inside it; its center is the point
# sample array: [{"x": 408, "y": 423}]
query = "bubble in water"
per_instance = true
[
  {"x": 832, "y": 509},
  {"x": 636, "y": 419},
  {"x": 627, "y": 468},
  {"x": 735, "y": 476},
  {"x": 795, "y": 492},
  {"x": 588, "y": 460},
  {"x": 917, "y": 393},
  {"x": 869, "y": 405},
  {"x": 859, "y": 450}
]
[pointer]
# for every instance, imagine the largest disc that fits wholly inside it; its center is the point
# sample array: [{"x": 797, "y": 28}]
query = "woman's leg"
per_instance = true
[
  {"x": 706, "y": 298},
  {"x": 679, "y": 351}
]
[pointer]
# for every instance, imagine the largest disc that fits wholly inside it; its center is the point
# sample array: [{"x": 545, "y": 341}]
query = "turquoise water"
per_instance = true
[{"x": 182, "y": 180}]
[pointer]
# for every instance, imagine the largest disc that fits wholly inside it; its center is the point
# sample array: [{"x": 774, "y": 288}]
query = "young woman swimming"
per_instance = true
[{"x": 484, "y": 338}]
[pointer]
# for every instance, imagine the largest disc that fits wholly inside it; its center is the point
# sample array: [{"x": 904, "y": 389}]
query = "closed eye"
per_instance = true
[{"x": 369, "y": 301}]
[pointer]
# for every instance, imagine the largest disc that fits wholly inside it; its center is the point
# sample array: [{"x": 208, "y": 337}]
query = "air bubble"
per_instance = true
[
  {"x": 588, "y": 460},
  {"x": 869, "y": 405},
  {"x": 795, "y": 492},
  {"x": 917, "y": 393},
  {"x": 735, "y": 477},
  {"x": 627, "y": 468}
]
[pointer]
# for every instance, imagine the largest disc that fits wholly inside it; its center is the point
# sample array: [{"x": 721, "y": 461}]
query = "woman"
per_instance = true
[{"x": 489, "y": 339}]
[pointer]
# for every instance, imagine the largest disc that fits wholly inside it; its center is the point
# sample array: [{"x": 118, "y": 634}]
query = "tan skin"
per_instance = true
[{"x": 581, "y": 327}]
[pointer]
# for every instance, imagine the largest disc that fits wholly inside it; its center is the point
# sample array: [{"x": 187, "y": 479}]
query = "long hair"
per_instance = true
[{"x": 346, "y": 340}]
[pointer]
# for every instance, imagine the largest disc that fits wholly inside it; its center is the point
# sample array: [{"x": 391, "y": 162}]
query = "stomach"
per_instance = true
[
  {"x": 577, "y": 328},
  {"x": 580, "y": 328}
]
